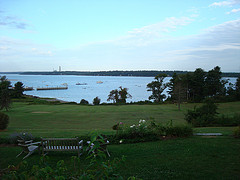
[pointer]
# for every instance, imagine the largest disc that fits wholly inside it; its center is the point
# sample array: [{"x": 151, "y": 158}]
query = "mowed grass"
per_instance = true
[
  {"x": 181, "y": 158},
  {"x": 75, "y": 120}
]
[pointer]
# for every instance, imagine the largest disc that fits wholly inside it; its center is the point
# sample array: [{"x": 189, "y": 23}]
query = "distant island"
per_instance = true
[{"x": 115, "y": 73}]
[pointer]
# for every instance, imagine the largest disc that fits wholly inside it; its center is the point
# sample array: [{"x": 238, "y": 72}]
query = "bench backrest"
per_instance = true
[{"x": 60, "y": 143}]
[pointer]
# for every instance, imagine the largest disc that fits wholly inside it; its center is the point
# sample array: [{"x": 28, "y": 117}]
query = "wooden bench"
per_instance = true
[{"x": 61, "y": 144}]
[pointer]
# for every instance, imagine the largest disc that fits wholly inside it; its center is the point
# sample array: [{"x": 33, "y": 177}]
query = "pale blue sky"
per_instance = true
[{"x": 98, "y": 35}]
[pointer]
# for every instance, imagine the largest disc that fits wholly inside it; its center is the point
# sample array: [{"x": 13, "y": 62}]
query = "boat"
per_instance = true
[
  {"x": 81, "y": 83},
  {"x": 28, "y": 89},
  {"x": 99, "y": 82}
]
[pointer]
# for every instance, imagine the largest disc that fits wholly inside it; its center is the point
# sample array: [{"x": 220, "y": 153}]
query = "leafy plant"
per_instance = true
[
  {"x": 4, "y": 120},
  {"x": 202, "y": 116},
  {"x": 20, "y": 136},
  {"x": 84, "y": 102},
  {"x": 96, "y": 101},
  {"x": 236, "y": 132},
  {"x": 98, "y": 167}
]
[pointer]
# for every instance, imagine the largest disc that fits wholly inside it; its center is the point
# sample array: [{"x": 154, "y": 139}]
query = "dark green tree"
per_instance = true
[
  {"x": 213, "y": 83},
  {"x": 237, "y": 89},
  {"x": 18, "y": 90},
  {"x": 96, "y": 101},
  {"x": 157, "y": 87},
  {"x": 84, "y": 102},
  {"x": 197, "y": 85},
  {"x": 180, "y": 89},
  {"x": 5, "y": 99},
  {"x": 114, "y": 96},
  {"x": 119, "y": 96},
  {"x": 123, "y": 93}
]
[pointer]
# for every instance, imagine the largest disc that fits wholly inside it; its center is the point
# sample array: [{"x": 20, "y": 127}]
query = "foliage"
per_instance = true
[
  {"x": 202, "y": 116},
  {"x": 18, "y": 90},
  {"x": 20, "y": 136},
  {"x": 228, "y": 120},
  {"x": 196, "y": 83},
  {"x": 84, "y": 102},
  {"x": 178, "y": 88},
  {"x": 98, "y": 167},
  {"x": 119, "y": 96},
  {"x": 5, "y": 99},
  {"x": 213, "y": 83},
  {"x": 236, "y": 132},
  {"x": 4, "y": 120},
  {"x": 150, "y": 130},
  {"x": 96, "y": 101},
  {"x": 157, "y": 87}
]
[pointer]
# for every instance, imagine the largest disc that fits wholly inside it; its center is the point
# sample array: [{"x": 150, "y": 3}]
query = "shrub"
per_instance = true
[
  {"x": 202, "y": 116},
  {"x": 96, "y": 101},
  {"x": 4, "y": 120},
  {"x": 150, "y": 131},
  {"x": 20, "y": 136},
  {"x": 84, "y": 102},
  {"x": 179, "y": 131},
  {"x": 228, "y": 121},
  {"x": 236, "y": 132}
]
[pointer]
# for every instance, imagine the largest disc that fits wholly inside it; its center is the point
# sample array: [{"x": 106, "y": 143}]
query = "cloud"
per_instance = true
[
  {"x": 147, "y": 48},
  {"x": 234, "y": 11},
  {"x": 152, "y": 33},
  {"x": 12, "y": 21},
  {"x": 225, "y": 3}
]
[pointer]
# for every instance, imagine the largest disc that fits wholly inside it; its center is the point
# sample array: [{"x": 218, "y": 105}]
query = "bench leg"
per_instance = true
[
  {"x": 19, "y": 154},
  {"x": 107, "y": 153}
]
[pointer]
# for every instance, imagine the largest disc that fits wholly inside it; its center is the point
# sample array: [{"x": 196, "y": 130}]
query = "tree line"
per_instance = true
[
  {"x": 7, "y": 92},
  {"x": 189, "y": 87},
  {"x": 194, "y": 87},
  {"x": 143, "y": 73}
]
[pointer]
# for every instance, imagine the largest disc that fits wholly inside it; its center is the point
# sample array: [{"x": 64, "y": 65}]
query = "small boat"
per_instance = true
[
  {"x": 81, "y": 83},
  {"x": 99, "y": 82}
]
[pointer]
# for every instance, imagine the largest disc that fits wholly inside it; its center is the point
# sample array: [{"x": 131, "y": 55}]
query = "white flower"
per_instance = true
[
  {"x": 143, "y": 121},
  {"x": 132, "y": 126},
  {"x": 120, "y": 141}
]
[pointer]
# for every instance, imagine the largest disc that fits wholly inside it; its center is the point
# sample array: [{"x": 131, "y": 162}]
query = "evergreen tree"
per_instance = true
[
  {"x": 157, "y": 87},
  {"x": 18, "y": 90},
  {"x": 196, "y": 85},
  {"x": 213, "y": 84},
  {"x": 5, "y": 99}
]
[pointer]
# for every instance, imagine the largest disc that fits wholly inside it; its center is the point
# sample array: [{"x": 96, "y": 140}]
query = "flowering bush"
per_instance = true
[{"x": 150, "y": 130}]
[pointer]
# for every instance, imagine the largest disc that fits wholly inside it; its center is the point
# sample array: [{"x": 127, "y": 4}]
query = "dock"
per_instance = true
[{"x": 52, "y": 88}]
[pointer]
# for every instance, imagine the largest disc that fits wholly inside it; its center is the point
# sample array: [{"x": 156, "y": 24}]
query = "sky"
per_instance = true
[{"x": 103, "y": 35}]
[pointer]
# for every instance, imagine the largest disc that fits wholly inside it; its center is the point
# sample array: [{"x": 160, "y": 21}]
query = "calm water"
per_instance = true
[{"x": 74, "y": 93}]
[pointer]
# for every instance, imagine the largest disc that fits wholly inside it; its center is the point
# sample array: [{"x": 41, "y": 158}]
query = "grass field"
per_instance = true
[
  {"x": 74, "y": 120},
  {"x": 181, "y": 158}
]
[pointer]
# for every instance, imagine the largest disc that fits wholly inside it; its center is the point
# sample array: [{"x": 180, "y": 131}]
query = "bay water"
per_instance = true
[{"x": 89, "y": 88}]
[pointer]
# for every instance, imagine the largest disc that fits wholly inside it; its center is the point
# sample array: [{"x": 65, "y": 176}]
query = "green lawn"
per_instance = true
[
  {"x": 182, "y": 158},
  {"x": 74, "y": 120}
]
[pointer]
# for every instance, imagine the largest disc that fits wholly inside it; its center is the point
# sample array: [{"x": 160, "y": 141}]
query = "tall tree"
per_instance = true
[
  {"x": 237, "y": 88},
  {"x": 18, "y": 90},
  {"x": 196, "y": 85},
  {"x": 213, "y": 84},
  {"x": 157, "y": 87},
  {"x": 5, "y": 99},
  {"x": 119, "y": 96},
  {"x": 180, "y": 89}
]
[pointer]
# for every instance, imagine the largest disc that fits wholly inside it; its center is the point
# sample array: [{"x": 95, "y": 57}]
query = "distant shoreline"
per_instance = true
[{"x": 116, "y": 73}]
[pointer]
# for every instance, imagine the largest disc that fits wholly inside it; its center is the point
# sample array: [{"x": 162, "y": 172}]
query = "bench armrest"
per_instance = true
[{"x": 80, "y": 142}]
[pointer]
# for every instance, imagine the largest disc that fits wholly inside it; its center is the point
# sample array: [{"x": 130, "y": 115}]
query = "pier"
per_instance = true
[{"x": 52, "y": 88}]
